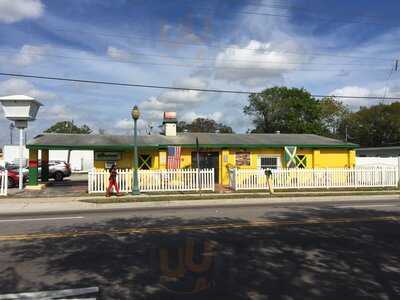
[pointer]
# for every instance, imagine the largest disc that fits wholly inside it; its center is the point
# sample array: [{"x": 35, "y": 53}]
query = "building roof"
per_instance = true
[
  {"x": 206, "y": 140},
  {"x": 379, "y": 151}
]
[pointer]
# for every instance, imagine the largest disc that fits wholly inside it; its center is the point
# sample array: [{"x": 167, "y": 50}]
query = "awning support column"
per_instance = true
[
  {"x": 33, "y": 167},
  {"x": 45, "y": 165}
]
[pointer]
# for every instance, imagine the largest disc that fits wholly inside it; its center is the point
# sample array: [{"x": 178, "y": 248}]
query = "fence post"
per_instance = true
[
  {"x": 326, "y": 178},
  {"x": 235, "y": 178},
  {"x": 213, "y": 179},
  {"x": 355, "y": 177},
  {"x": 398, "y": 172},
  {"x": 197, "y": 179},
  {"x": 89, "y": 181},
  {"x": 6, "y": 183}
]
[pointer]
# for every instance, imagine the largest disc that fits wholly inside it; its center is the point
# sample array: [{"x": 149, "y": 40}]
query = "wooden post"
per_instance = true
[{"x": 268, "y": 174}]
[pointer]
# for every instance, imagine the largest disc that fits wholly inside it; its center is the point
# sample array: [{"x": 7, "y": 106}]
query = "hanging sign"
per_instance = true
[
  {"x": 113, "y": 156},
  {"x": 242, "y": 159}
]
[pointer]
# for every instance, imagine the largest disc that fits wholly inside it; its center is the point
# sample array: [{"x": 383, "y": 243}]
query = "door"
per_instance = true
[{"x": 208, "y": 160}]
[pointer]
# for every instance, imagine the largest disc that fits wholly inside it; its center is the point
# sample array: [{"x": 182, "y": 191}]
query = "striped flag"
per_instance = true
[{"x": 174, "y": 157}]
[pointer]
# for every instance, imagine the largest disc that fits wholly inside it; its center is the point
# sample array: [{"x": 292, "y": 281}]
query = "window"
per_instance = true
[
  {"x": 144, "y": 161},
  {"x": 269, "y": 162},
  {"x": 301, "y": 161}
]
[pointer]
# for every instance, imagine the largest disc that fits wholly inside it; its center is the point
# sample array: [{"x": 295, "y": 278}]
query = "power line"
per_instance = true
[
  {"x": 305, "y": 9},
  {"x": 175, "y": 42},
  {"x": 165, "y": 87},
  {"x": 315, "y": 16},
  {"x": 333, "y": 20},
  {"x": 36, "y": 53}
]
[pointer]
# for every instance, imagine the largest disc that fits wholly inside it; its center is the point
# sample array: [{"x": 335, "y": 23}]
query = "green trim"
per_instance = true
[
  {"x": 88, "y": 147},
  {"x": 156, "y": 146}
]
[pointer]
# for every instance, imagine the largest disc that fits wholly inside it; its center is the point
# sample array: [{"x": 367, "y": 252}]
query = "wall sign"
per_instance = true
[
  {"x": 109, "y": 164},
  {"x": 242, "y": 159},
  {"x": 107, "y": 156}
]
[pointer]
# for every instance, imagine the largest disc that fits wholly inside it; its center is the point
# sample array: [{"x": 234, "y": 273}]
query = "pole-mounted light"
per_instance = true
[{"x": 20, "y": 109}]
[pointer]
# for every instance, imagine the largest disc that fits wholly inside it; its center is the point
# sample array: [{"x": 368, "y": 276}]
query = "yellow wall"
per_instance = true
[
  {"x": 126, "y": 160},
  {"x": 336, "y": 158},
  {"x": 316, "y": 158}
]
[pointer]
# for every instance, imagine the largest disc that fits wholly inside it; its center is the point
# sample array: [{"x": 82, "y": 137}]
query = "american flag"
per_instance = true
[{"x": 174, "y": 157}]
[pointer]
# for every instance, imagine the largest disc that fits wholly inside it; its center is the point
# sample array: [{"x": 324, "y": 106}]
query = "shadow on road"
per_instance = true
[{"x": 315, "y": 261}]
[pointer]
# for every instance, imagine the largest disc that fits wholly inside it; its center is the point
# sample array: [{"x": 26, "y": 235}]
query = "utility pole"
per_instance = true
[{"x": 12, "y": 126}]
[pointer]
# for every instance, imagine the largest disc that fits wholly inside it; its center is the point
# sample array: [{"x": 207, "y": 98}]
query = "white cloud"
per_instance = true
[
  {"x": 181, "y": 97},
  {"x": 16, "y": 10},
  {"x": 56, "y": 112},
  {"x": 190, "y": 116},
  {"x": 124, "y": 124},
  {"x": 20, "y": 86},
  {"x": 118, "y": 54},
  {"x": 177, "y": 100},
  {"x": 29, "y": 55},
  {"x": 358, "y": 91},
  {"x": 153, "y": 103},
  {"x": 254, "y": 63}
]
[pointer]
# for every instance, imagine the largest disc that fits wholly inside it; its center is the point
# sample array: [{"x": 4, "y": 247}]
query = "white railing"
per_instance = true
[
  {"x": 315, "y": 178},
  {"x": 154, "y": 180},
  {"x": 3, "y": 183}
]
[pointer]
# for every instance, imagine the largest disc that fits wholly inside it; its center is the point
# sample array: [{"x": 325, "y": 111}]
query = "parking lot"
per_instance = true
[{"x": 74, "y": 185}]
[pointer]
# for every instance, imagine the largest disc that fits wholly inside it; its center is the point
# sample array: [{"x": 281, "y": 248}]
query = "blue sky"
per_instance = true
[{"x": 327, "y": 46}]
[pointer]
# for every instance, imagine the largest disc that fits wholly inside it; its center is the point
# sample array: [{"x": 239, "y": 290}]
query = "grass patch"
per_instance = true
[{"x": 213, "y": 196}]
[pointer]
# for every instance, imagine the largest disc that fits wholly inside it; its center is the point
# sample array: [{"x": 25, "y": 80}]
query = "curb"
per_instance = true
[{"x": 77, "y": 207}]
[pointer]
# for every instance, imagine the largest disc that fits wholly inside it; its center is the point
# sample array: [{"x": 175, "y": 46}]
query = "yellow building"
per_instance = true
[{"x": 218, "y": 151}]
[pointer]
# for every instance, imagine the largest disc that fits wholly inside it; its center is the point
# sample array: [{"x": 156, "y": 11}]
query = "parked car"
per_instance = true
[
  {"x": 58, "y": 170},
  {"x": 13, "y": 177}
]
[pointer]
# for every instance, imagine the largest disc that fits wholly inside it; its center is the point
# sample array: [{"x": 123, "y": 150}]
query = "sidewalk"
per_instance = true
[{"x": 20, "y": 206}]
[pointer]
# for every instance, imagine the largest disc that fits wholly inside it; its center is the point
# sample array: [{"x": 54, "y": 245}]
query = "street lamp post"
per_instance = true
[
  {"x": 21, "y": 109},
  {"x": 135, "y": 179}
]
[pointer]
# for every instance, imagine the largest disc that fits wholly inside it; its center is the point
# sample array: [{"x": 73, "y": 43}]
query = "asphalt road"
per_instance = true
[{"x": 324, "y": 251}]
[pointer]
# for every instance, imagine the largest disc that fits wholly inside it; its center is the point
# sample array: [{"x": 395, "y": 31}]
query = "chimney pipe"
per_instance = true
[{"x": 169, "y": 123}]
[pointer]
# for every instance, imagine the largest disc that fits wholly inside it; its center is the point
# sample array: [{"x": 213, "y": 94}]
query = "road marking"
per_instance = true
[
  {"x": 144, "y": 230},
  {"x": 39, "y": 219},
  {"x": 366, "y": 205},
  {"x": 52, "y": 294}
]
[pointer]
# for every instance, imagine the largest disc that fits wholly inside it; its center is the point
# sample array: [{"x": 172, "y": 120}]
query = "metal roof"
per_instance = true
[{"x": 206, "y": 140}]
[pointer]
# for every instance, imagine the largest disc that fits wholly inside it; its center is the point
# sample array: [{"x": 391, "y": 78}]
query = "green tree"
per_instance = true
[
  {"x": 68, "y": 127},
  {"x": 333, "y": 113},
  {"x": 203, "y": 125},
  {"x": 293, "y": 110},
  {"x": 377, "y": 125}
]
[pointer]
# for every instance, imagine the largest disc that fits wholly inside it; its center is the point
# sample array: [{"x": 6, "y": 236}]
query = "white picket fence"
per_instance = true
[
  {"x": 154, "y": 180},
  {"x": 3, "y": 183},
  {"x": 315, "y": 178}
]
